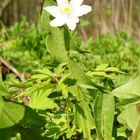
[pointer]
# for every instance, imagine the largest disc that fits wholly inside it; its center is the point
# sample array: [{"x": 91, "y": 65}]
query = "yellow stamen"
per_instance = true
[{"x": 67, "y": 9}]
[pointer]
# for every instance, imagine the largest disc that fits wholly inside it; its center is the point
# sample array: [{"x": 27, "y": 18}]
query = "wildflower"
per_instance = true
[{"x": 67, "y": 12}]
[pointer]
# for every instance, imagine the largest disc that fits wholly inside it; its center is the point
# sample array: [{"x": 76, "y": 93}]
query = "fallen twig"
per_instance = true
[{"x": 10, "y": 67}]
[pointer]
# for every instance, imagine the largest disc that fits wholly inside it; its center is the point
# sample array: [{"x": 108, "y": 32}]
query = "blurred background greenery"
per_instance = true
[{"x": 108, "y": 16}]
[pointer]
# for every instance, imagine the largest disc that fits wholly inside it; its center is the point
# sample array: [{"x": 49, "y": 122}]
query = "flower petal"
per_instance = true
[
  {"x": 82, "y": 10},
  {"x": 53, "y": 10},
  {"x": 71, "y": 22},
  {"x": 76, "y": 3},
  {"x": 62, "y": 3},
  {"x": 76, "y": 19},
  {"x": 70, "y": 17},
  {"x": 57, "y": 22}
]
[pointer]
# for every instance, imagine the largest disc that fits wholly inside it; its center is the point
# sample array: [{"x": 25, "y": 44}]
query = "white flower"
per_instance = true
[{"x": 67, "y": 12}]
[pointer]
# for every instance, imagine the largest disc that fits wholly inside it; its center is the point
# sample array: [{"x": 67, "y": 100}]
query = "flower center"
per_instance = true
[
  {"x": 67, "y": 10},
  {"x": 66, "y": 7}
]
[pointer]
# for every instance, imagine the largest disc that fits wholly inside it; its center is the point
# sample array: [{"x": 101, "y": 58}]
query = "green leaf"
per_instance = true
[
  {"x": 37, "y": 87},
  {"x": 99, "y": 74},
  {"x": 70, "y": 132},
  {"x": 4, "y": 91},
  {"x": 113, "y": 70},
  {"x": 40, "y": 101},
  {"x": 44, "y": 71},
  {"x": 130, "y": 116},
  {"x": 60, "y": 68},
  {"x": 64, "y": 78},
  {"x": 136, "y": 134},
  {"x": 83, "y": 117},
  {"x": 128, "y": 90},
  {"x": 98, "y": 115},
  {"x": 121, "y": 131},
  {"x": 127, "y": 102},
  {"x": 102, "y": 66},
  {"x": 16, "y": 118},
  {"x": 106, "y": 68},
  {"x": 104, "y": 108},
  {"x": 78, "y": 74},
  {"x": 63, "y": 88},
  {"x": 57, "y": 41}
]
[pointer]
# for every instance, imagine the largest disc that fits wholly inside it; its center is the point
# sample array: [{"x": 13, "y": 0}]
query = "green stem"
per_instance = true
[{"x": 67, "y": 113}]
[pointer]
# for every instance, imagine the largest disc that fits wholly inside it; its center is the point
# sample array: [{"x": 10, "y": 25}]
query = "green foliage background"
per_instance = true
[{"x": 73, "y": 90}]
